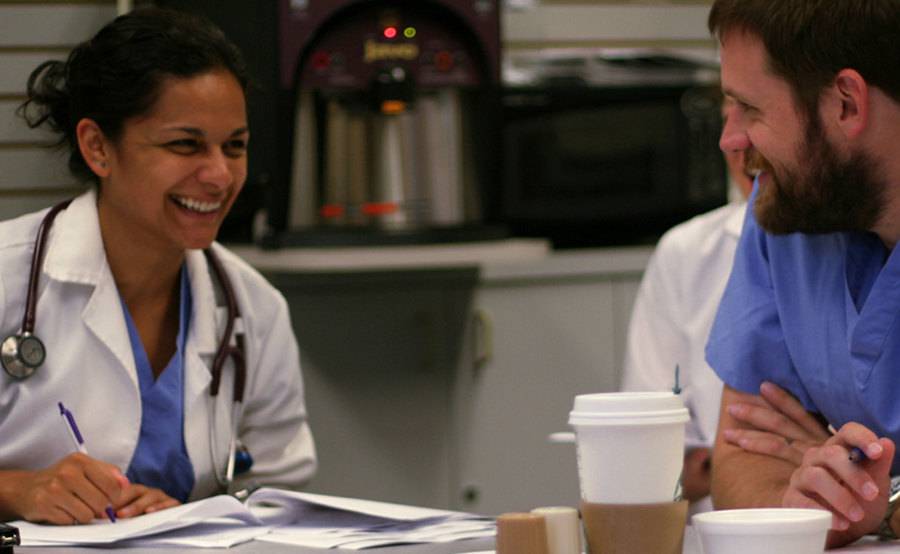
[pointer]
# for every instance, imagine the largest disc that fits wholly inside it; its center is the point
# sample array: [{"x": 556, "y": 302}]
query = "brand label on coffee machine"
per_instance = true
[{"x": 377, "y": 51}]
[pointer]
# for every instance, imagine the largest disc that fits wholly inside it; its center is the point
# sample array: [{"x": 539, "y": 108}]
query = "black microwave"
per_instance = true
[{"x": 602, "y": 149}]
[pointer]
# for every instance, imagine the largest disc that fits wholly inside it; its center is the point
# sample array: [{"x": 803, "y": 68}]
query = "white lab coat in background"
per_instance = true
[
  {"x": 673, "y": 314},
  {"x": 90, "y": 365}
]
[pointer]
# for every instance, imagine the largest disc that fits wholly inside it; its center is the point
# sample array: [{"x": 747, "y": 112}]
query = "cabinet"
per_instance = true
[
  {"x": 377, "y": 352},
  {"x": 532, "y": 344},
  {"x": 439, "y": 387}
]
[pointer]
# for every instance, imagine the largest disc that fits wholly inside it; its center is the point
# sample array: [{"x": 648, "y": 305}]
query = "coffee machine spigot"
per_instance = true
[
  {"x": 393, "y": 175},
  {"x": 392, "y": 90}
]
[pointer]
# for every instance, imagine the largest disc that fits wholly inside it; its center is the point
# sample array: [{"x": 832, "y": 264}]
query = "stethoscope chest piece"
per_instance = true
[{"x": 21, "y": 355}]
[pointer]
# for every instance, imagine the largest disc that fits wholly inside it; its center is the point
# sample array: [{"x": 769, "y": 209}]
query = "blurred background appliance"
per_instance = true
[
  {"x": 608, "y": 146},
  {"x": 392, "y": 124}
]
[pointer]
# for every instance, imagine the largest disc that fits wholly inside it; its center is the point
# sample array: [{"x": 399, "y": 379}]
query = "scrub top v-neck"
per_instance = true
[
  {"x": 160, "y": 459},
  {"x": 818, "y": 315}
]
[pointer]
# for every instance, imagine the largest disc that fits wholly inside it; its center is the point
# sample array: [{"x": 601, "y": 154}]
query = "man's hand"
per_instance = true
[
  {"x": 779, "y": 425},
  {"x": 140, "y": 499},
  {"x": 77, "y": 489},
  {"x": 856, "y": 493}
]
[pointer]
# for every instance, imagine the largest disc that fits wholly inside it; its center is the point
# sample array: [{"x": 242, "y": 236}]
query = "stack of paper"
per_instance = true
[
  {"x": 271, "y": 515},
  {"x": 312, "y": 520}
]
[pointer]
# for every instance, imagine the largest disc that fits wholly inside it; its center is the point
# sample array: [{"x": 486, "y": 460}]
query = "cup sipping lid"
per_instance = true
[{"x": 624, "y": 408}]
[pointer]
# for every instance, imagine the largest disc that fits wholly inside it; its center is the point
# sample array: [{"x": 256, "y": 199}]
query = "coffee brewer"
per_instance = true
[{"x": 394, "y": 120}]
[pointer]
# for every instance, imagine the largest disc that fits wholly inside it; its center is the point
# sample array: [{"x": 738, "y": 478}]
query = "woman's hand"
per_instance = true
[
  {"x": 780, "y": 426},
  {"x": 77, "y": 489},
  {"x": 140, "y": 499}
]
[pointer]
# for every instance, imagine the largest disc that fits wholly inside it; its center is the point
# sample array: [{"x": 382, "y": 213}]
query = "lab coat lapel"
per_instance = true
[
  {"x": 207, "y": 323},
  {"x": 204, "y": 328},
  {"x": 103, "y": 315},
  {"x": 75, "y": 254}
]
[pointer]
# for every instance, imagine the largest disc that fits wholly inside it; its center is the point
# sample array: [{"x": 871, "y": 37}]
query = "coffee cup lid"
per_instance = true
[
  {"x": 763, "y": 521},
  {"x": 628, "y": 408}
]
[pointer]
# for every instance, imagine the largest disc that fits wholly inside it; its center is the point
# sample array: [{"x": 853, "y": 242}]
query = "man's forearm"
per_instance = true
[
  {"x": 746, "y": 480},
  {"x": 742, "y": 479}
]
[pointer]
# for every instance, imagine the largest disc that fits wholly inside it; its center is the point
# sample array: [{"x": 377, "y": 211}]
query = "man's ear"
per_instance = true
[
  {"x": 851, "y": 102},
  {"x": 94, "y": 147}
]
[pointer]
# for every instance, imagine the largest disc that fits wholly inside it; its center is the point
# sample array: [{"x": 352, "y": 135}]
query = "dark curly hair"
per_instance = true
[{"x": 117, "y": 74}]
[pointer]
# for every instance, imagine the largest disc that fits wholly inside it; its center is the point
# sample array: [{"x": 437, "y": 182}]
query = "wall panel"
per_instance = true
[
  {"x": 32, "y": 31},
  {"x": 51, "y": 24}
]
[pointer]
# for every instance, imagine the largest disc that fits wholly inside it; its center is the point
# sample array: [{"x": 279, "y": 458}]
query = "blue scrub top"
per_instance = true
[
  {"x": 160, "y": 459},
  {"x": 817, "y": 315}
]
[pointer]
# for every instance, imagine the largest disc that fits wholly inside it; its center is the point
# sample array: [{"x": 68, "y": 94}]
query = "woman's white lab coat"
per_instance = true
[{"x": 90, "y": 366}]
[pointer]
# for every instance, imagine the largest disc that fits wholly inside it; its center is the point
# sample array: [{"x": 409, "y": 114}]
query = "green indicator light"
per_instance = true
[{"x": 409, "y": 32}]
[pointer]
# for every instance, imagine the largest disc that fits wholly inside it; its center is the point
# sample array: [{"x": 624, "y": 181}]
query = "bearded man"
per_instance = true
[{"x": 813, "y": 301}]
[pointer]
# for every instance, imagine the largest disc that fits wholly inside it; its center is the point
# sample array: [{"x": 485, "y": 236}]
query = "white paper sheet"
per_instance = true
[
  {"x": 217, "y": 533},
  {"x": 102, "y": 531},
  {"x": 299, "y": 500}
]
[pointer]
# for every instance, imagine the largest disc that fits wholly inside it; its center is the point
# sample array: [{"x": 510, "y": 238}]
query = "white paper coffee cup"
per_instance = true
[
  {"x": 630, "y": 446},
  {"x": 769, "y": 530}
]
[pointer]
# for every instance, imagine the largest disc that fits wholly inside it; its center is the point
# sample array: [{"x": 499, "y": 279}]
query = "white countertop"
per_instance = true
[
  {"x": 574, "y": 263},
  {"x": 380, "y": 258},
  {"x": 496, "y": 261}
]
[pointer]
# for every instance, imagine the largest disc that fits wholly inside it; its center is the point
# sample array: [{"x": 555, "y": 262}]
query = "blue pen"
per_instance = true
[
  {"x": 78, "y": 440},
  {"x": 857, "y": 455}
]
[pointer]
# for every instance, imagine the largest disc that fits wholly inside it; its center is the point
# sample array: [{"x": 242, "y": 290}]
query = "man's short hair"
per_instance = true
[{"x": 809, "y": 41}]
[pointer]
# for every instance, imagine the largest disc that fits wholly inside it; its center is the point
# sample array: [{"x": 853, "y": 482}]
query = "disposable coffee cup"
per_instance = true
[
  {"x": 630, "y": 446},
  {"x": 769, "y": 530}
]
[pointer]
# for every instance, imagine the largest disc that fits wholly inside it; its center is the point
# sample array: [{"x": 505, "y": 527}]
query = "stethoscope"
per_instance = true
[{"x": 23, "y": 353}]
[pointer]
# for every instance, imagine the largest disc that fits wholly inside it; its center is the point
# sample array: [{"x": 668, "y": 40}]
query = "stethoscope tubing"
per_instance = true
[
  {"x": 225, "y": 349},
  {"x": 37, "y": 262}
]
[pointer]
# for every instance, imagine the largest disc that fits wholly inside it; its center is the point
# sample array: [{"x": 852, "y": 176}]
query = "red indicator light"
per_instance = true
[
  {"x": 321, "y": 60},
  {"x": 443, "y": 60},
  {"x": 390, "y": 32},
  {"x": 331, "y": 210},
  {"x": 380, "y": 208}
]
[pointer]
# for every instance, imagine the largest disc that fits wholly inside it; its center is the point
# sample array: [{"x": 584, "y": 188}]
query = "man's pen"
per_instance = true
[
  {"x": 857, "y": 455},
  {"x": 78, "y": 440}
]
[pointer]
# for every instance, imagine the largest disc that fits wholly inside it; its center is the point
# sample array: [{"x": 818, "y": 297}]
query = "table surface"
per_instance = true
[
  {"x": 691, "y": 546},
  {"x": 272, "y": 548}
]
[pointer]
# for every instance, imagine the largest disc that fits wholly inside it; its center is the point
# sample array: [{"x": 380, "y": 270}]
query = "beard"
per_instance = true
[{"x": 833, "y": 195}]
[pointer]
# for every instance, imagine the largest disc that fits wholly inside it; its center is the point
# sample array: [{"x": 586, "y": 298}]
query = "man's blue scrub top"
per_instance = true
[
  {"x": 817, "y": 315},
  {"x": 160, "y": 459}
]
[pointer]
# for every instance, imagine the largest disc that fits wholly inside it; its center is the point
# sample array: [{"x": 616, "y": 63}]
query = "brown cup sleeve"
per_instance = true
[
  {"x": 634, "y": 528},
  {"x": 521, "y": 533}
]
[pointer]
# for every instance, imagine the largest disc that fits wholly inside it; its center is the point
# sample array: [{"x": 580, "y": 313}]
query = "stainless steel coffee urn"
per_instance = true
[{"x": 392, "y": 111}]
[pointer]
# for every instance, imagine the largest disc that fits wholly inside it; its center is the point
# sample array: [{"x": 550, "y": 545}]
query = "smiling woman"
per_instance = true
[{"x": 152, "y": 111}]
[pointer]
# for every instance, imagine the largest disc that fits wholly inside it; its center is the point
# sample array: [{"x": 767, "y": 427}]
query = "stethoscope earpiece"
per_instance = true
[{"x": 21, "y": 355}]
